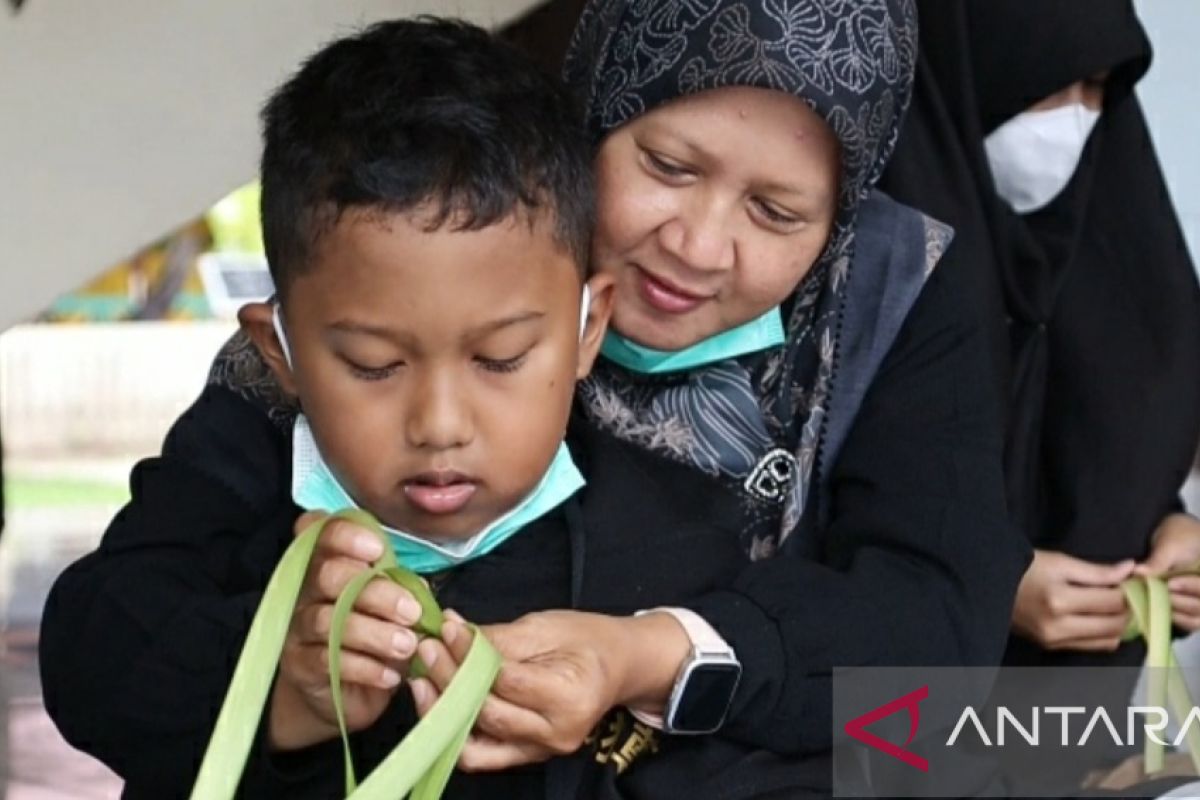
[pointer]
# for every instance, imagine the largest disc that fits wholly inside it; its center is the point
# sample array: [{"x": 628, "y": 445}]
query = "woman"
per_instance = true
[
  {"x": 782, "y": 329},
  {"x": 1095, "y": 311},
  {"x": 875, "y": 392}
]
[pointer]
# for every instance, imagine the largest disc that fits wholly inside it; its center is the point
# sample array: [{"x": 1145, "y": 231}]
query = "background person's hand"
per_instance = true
[
  {"x": 563, "y": 671},
  {"x": 1066, "y": 603},
  {"x": 376, "y": 645},
  {"x": 1176, "y": 545}
]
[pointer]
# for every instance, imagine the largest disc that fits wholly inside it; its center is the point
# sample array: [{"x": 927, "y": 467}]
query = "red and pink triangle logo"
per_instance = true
[{"x": 857, "y": 727}]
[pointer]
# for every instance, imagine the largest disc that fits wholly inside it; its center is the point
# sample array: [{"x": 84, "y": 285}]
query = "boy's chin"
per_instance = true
[{"x": 442, "y": 528}]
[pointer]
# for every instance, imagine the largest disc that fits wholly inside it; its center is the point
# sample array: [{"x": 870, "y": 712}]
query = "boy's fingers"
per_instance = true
[
  {"x": 356, "y": 668},
  {"x": 389, "y": 601},
  {"x": 305, "y": 520},
  {"x": 329, "y": 575},
  {"x": 364, "y": 634},
  {"x": 344, "y": 538}
]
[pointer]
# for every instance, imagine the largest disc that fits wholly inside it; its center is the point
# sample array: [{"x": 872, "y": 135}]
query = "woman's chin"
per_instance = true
[{"x": 666, "y": 333}]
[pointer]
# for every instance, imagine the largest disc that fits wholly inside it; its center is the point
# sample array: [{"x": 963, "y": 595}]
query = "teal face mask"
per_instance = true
[
  {"x": 757, "y": 334},
  {"x": 314, "y": 488}
]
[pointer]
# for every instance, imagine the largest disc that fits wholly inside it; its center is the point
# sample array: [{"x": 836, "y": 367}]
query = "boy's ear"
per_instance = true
[
  {"x": 601, "y": 287},
  {"x": 256, "y": 321}
]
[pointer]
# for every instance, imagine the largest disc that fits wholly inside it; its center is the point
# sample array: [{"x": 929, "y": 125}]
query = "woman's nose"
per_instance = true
[{"x": 698, "y": 235}]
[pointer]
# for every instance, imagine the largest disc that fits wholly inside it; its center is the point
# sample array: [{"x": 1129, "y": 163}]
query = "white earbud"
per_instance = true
[
  {"x": 277, "y": 322},
  {"x": 584, "y": 307}
]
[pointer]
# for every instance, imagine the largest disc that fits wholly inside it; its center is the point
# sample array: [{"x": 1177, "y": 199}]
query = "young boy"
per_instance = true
[{"x": 426, "y": 209}]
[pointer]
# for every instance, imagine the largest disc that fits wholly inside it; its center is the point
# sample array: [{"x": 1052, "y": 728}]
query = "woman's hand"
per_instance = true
[
  {"x": 1176, "y": 545},
  {"x": 1066, "y": 603},
  {"x": 376, "y": 646},
  {"x": 563, "y": 671}
]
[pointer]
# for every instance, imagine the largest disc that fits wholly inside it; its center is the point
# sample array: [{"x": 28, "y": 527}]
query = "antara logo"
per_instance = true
[{"x": 857, "y": 727}]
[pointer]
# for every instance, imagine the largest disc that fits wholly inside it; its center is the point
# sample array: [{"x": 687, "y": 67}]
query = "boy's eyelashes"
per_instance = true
[
  {"x": 363, "y": 372},
  {"x": 502, "y": 365},
  {"x": 497, "y": 365}
]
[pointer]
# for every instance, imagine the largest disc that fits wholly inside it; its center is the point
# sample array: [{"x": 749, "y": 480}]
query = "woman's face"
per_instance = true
[{"x": 711, "y": 210}]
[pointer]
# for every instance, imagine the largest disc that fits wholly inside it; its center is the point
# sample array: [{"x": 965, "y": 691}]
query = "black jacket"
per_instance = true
[{"x": 917, "y": 566}]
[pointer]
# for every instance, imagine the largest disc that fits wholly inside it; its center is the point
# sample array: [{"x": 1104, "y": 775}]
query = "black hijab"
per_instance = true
[{"x": 1092, "y": 301}]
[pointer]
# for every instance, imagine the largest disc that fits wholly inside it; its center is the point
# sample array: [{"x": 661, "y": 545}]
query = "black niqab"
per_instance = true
[{"x": 1092, "y": 302}]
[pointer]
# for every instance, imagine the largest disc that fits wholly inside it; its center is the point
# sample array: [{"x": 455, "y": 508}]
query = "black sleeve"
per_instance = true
[
  {"x": 140, "y": 638},
  {"x": 918, "y": 564}
]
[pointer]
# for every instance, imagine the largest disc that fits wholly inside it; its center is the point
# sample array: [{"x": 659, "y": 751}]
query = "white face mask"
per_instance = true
[{"x": 1034, "y": 154}]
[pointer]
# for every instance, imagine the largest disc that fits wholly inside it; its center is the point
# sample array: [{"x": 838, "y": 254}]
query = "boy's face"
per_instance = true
[{"x": 436, "y": 368}]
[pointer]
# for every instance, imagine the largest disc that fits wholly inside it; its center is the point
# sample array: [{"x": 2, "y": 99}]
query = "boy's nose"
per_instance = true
[{"x": 438, "y": 417}]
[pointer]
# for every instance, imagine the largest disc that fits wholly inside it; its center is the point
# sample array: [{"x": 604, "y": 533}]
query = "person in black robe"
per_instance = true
[{"x": 1091, "y": 302}]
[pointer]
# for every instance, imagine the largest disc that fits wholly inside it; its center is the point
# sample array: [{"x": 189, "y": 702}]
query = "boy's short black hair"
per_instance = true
[{"x": 415, "y": 113}]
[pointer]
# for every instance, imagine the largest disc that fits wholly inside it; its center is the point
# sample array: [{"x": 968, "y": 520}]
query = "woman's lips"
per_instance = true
[
  {"x": 439, "y": 498},
  {"x": 665, "y": 297}
]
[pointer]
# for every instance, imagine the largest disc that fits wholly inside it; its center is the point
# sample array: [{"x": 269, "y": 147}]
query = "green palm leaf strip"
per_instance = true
[
  {"x": 1149, "y": 604},
  {"x": 423, "y": 761}
]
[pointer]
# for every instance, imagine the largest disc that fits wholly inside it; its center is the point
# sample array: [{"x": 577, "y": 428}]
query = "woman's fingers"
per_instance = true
[
  {"x": 501, "y": 720},
  {"x": 484, "y": 754},
  {"x": 498, "y": 718}
]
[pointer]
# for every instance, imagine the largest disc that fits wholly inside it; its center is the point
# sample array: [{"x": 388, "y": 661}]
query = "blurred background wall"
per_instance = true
[
  {"x": 1171, "y": 95},
  {"x": 123, "y": 119}
]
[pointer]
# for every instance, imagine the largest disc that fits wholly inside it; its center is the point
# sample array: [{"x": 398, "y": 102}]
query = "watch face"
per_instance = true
[{"x": 705, "y": 698}]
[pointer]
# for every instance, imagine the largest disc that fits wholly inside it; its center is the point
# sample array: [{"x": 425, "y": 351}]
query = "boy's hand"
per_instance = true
[
  {"x": 1176, "y": 545},
  {"x": 1066, "y": 603},
  {"x": 376, "y": 647}
]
